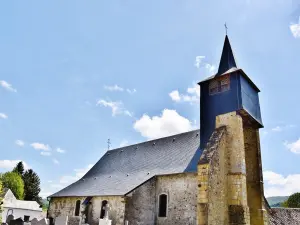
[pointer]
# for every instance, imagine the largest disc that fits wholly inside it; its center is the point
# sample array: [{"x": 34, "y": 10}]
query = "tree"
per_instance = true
[
  {"x": 31, "y": 186},
  {"x": 14, "y": 182},
  {"x": 19, "y": 168},
  {"x": 293, "y": 201}
]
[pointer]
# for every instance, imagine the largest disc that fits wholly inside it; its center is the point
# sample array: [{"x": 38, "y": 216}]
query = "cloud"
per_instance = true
[
  {"x": 116, "y": 107},
  {"x": 295, "y": 29},
  {"x": 40, "y": 146},
  {"x": 131, "y": 91},
  {"x": 277, "y": 129},
  {"x": 59, "y": 150},
  {"x": 279, "y": 185},
  {"x": 124, "y": 143},
  {"x": 168, "y": 123},
  {"x": 20, "y": 143},
  {"x": 55, "y": 161},
  {"x": 46, "y": 153},
  {"x": 10, "y": 164},
  {"x": 45, "y": 194},
  {"x": 79, "y": 173},
  {"x": 3, "y": 116},
  {"x": 293, "y": 146},
  {"x": 7, "y": 86},
  {"x": 192, "y": 95},
  {"x": 113, "y": 88},
  {"x": 198, "y": 61}
]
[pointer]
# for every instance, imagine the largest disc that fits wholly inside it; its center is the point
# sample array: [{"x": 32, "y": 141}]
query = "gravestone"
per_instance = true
[
  {"x": 18, "y": 221},
  {"x": 61, "y": 220},
  {"x": 34, "y": 221},
  {"x": 126, "y": 222},
  {"x": 105, "y": 220},
  {"x": 74, "y": 220},
  {"x": 9, "y": 218}
]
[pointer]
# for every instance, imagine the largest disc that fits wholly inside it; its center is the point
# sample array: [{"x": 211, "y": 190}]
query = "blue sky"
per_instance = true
[{"x": 75, "y": 73}]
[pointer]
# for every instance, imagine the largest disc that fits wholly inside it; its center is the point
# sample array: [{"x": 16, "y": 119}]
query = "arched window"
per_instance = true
[
  {"x": 163, "y": 202},
  {"x": 77, "y": 208},
  {"x": 104, "y": 203}
]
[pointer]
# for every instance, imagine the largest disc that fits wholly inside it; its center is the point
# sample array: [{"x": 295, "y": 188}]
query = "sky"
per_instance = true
[{"x": 74, "y": 74}]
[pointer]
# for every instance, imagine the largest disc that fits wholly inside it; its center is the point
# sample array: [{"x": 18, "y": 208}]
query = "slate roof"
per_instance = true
[
  {"x": 121, "y": 170},
  {"x": 284, "y": 216}
]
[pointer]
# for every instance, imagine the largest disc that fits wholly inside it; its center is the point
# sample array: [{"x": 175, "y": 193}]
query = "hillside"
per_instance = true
[{"x": 276, "y": 200}]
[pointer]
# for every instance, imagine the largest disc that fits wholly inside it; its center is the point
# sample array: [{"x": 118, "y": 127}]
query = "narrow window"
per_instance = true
[
  {"x": 163, "y": 201},
  {"x": 77, "y": 208},
  {"x": 104, "y": 203}
]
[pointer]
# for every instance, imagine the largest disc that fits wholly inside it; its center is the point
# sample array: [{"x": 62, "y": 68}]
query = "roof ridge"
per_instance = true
[{"x": 153, "y": 140}]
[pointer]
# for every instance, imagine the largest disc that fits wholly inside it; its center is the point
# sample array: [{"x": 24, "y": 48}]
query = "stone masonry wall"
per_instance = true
[
  {"x": 66, "y": 206},
  {"x": 181, "y": 190},
  {"x": 140, "y": 204}
]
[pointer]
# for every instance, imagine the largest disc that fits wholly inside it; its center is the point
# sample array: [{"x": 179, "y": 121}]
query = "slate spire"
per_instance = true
[{"x": 227, "y": 59}]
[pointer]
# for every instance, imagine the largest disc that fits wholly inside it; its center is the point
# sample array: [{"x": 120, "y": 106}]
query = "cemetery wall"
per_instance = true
[{"x": 21, "y": 213}]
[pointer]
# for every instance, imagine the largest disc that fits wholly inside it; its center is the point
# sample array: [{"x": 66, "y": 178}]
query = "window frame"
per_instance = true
[
  {"x": 167, "y": 205},
  {"x": 78, "y": 200}
]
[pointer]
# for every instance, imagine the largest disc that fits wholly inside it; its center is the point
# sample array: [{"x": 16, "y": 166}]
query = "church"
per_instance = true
[{"x": 211, "y": 176}]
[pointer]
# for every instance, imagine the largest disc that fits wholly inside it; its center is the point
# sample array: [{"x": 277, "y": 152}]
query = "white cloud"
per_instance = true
[
  {"x": 293, "y": 146},
  {"x": 79, "y": 173},
  {"x": 199, "y": 60},
  {"x": 60, "y": 150},
  {"x": 175, "y": 96},
  {"x": 113, "y": 88},
  {"x": 20, "y": 143},
  {"x": 295, "y": 29},
  {"x": 46, "y": 153},
  {"x": 50, "y": 181},
  {"x": 7, "y": 86},
  {"x": 124, "y": 143},
  {"x": 131, "y": 91},
  {"x": 116, "y": 107},
  {"x": 55, "y": 161},
  {"x": 10, "y": 164},
  {"x": 169, "y": 123},
  {"x": 277, "y": 129},
  {"x": 40, "y": 146},
  {"x": 192, "y": 95},
  {"x": 211, "y": 68},
  {"x": 279, "y": 185},
  {"x": 3, "y": 116},
  {"x": 45, "y": 194}
]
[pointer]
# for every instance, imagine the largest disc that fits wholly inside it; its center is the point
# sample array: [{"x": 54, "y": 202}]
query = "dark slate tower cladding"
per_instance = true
[{"x": 227, "y": 91}]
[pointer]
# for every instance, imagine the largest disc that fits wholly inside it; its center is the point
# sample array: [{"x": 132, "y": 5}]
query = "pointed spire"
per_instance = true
[{"x": 227, "y": 59}]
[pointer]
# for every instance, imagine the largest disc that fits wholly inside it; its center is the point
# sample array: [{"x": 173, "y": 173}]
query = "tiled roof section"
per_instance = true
[
  {"x": 212, "y": 145},
  {"x": 121, "y": 170},
  {"x": 284, "y": 216}
]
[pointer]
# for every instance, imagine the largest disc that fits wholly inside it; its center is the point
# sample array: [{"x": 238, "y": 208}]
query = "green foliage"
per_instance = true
[
  {"x": 31, "y": 186},
  {"x": 284, "y": 204},
  {"x": 275, "y": 201},
  {"x": 19, "y": 168},
  {"x": 294, "y": 201},
  {"x": 15, "y": 183}
]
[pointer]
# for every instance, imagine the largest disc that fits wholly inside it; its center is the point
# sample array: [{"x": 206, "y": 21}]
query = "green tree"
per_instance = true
[
  {"x": 19, "y": 168},
  {"x": 293, "y": 201},
  {"x": 14, "y": 182},
  {"x": 31, "y": 186}
]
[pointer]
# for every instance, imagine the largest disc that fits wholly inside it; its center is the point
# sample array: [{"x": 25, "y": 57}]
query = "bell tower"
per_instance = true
[{"x": 229, "y": 170}]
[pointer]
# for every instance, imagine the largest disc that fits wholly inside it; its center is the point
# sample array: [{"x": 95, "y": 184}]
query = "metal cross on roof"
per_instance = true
[
  {"x": 226, "y": 28},
  {"x": 108, "y": 144}
]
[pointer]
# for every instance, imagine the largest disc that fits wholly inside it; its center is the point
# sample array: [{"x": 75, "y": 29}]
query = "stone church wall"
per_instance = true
[
  {"x": 181, "y": 190},
  {"x": 142, "y": 205},
  {"x": 66, "y": 206}
]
